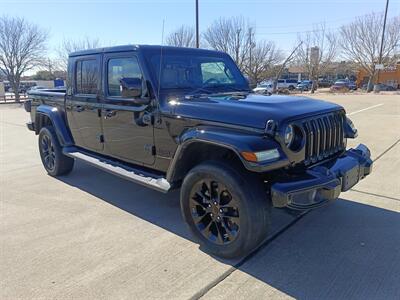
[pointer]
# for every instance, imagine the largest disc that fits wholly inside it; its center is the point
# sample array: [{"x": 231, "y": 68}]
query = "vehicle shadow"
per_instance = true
[
  {"x": 155, "y": 207},
  {"x": 344, "y": 250}
]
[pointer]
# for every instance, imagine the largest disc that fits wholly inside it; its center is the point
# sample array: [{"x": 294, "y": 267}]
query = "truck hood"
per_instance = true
[{"x": 252, "y": 110}]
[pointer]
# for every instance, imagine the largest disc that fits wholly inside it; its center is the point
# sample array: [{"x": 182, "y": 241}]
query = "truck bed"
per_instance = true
[
  {"x": 51, "y": 97},
  {"x": 47, "y": 92}
]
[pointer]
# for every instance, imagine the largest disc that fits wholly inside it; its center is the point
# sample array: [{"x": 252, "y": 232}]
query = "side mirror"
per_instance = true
[{"x": 130, "y": 87}]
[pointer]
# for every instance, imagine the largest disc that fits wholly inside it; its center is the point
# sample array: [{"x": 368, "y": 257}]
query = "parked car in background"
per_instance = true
[
  {"x": 37, "y": 87},
  {"x": 385, "y": 87},
  {"x": 267, "y": 86},
  {"x": 21, "y": 90},
  {"x": 264, "y": 88},
  {"x": 304, "y": 85},
  {"x": 325, "y": 83},
  {"x": 351, "y": 85},
  {"x": 340, "y": 86},
  {"x": 289, "y": 84}
]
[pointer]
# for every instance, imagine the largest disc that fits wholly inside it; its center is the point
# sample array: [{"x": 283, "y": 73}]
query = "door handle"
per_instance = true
[{"x": 110, "y": 113}]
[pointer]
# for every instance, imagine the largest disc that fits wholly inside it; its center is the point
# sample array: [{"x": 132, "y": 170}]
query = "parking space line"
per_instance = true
[
  {"x": 377, "y": 195},
  {"x": 364, "y": 109},
  {"x": 202, "y": 292},
  {"x": 387, "y": 150}
]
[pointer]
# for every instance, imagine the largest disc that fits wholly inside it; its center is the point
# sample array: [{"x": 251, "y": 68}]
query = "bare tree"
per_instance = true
[
  {"x": 182, "y": 37},
  {"x": 50, "y": 70},
  {"x": 317, "y": 51},
  {"x": 22, "y": 48},
  {"x": 360, "y": 41},
  {"x": 69, "y": 45},
  {"x": 261, "y": 60},
  {"x": 233, "y": 36}
]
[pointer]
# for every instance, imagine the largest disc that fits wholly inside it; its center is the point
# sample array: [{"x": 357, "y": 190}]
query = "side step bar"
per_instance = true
[{"x": 119, "y": 169}]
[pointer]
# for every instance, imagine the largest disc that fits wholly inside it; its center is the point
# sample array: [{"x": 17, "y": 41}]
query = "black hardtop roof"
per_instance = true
[{"x": 127, "y": 48}]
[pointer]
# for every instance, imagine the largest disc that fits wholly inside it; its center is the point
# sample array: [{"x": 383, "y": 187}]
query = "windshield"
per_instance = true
[{"x": 193, "y": 71}]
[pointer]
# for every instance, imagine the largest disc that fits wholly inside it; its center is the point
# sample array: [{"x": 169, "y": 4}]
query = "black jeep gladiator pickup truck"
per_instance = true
[{"x": 168, "y": 118}]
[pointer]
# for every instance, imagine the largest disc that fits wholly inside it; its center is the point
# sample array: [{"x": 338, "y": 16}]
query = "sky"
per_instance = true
[{"x": 140, "y": 22}]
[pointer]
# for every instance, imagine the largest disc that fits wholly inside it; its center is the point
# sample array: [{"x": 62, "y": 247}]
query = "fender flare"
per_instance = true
[
  {"x": 233, "y": 140},
  {"x": 56, "y": 117}
]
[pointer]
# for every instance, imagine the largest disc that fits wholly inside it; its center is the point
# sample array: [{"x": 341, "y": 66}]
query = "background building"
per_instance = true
[{"x": 389, "y": 76}]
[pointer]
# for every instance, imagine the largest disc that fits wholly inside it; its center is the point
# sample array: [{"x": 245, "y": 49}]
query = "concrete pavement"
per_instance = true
[{"x": 93, "y": 235}]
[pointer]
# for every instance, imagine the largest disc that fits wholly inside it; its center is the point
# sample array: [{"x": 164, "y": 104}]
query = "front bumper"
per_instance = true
[
  {"x": 321, "y": 184},
  {"x": 31, "y": 126}
]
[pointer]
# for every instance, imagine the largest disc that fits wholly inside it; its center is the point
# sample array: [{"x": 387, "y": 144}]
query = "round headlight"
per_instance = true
[{"x": 289, "y": 135}]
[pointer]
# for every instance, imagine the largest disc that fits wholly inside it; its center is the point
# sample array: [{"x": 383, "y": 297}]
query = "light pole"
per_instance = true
[
  {"x": 197, "y": 25},
  {"x": 383, "y": 39}
]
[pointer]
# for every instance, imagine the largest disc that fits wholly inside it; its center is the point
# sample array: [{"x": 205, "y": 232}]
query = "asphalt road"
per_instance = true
[{"x": 93, "y": 235}]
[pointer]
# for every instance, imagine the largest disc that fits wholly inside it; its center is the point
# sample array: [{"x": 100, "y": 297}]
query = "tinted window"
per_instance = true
[
  {"x": 118, "y": 68},
  {"x": 281, "y": 81},
  {"x": 86, "y": 77},
  {"x": 192, "y": 71}
]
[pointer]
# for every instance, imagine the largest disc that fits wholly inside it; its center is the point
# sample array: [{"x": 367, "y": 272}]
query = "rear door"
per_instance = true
[
  {"x": 82, "y": 104},
  {"x": 128, "y": 134}
]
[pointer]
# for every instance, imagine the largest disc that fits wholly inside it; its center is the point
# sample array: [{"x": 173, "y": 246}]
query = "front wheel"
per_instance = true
[
  {"x": 54, "y": 161},
  {"x": 227, "y": 209}
]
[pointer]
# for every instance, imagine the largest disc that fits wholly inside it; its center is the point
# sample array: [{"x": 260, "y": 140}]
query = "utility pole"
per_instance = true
[
  {"x": 251, "y": 46},
  {"x": 288, "y": 59},
  {"x": 197, "y": 25},
  {"x": 383, "y": 38}
]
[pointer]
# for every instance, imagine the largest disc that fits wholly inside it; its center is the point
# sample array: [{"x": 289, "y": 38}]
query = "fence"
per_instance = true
[{"x": 10, "y": 98}]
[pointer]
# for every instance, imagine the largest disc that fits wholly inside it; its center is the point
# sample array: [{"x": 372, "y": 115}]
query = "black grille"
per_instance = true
[{"x": 324, "y": 137}]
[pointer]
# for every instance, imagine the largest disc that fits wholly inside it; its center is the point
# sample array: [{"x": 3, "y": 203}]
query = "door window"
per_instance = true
[
  {"x": 87, "y": 77},
  {"x": 119, "y": 68}
]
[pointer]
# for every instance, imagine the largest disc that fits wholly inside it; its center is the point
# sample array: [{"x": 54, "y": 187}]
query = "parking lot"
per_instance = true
[{"x": 95, "y": 236}]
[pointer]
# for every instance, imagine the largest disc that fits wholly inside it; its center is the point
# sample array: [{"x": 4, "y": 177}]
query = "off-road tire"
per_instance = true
[
  {"x": 252, "y": 203},
  {"x": 54, "y": 161}
]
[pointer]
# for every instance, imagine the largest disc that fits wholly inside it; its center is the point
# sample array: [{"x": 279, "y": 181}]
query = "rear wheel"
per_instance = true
[
  {"x": 54, "y": 161},
  {"x": 226, "y": 209}
]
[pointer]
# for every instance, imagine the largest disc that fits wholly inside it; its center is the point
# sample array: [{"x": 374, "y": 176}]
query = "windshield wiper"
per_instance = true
[
  {"x": 238, "y": 90},
  {"x": 215, "y": 94},
  {"x": 208, "y": 93},
  {"x": 196, "y": 94}
]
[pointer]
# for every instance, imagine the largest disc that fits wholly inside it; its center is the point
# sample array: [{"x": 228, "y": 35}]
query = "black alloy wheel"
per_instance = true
[
  {"x": 48, "y": 153},
  {"x": 226, "y": 208},
  {"x": 53, "y": 159},
  {"x": 215, "y": 211}
]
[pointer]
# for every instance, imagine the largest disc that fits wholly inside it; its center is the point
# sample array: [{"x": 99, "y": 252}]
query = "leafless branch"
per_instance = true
[
  {"x": 324, "y": 43},
  {"x": 182, "y": 37},
  {"x": 69, "y": 45},
  {"x": 22, "y": 48},
  {"x": 230, "y": 36},
  {"x": 237, "y": 38},
  {"x": 360, "y": 41}
]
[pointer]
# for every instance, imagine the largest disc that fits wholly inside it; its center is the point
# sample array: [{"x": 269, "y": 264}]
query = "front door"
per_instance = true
[
  {"x": 83, "y": 106},
  {"x": 128, "y": 134}
]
